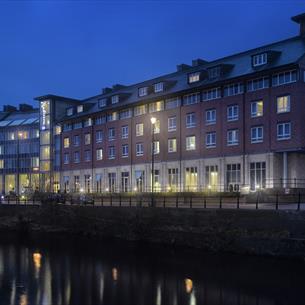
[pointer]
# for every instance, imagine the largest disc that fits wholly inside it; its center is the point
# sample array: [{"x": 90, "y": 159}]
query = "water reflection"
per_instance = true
[{"x": 119, "y": 274}]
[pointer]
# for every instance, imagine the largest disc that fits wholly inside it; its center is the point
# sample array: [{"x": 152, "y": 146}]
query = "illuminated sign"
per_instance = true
[{"x": 44, "y": 110}]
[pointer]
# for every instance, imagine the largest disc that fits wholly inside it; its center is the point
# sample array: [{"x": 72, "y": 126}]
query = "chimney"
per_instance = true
[
  {"x": 300, "y": 19},
  {"x": 198, "y": 62},
  {"x": 25, "y": 107},
  {"x": 106, "y": 90},
  {"x": 183, "y": 67},
  {"x": 9, "y": 108}
]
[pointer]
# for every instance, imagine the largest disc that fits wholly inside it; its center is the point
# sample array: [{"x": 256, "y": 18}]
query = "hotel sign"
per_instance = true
[{"x": 44, "y": 111}]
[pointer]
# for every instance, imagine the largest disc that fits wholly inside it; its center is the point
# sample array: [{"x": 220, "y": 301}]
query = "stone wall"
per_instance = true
[{"x": 277, "y": 233}]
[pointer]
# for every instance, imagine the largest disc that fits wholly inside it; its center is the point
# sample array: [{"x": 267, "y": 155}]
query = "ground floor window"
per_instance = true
[
  {"x": 66, "y": 184},
  {"x": 87, "y": 183},
  {"x": 257, "y": 175},
  {"x": 76, "y": 184},
  {"x": 112, "y": 182},
  {"x": 191, "y": 178},
  {"x": 10, "y": 183},
  {"x": 211, "y": 177},
  {"x": 233, "y": 177},
  {"x": 140, "y": 183},
  {"x": 157, "y": 182},
  {"x": 124, "y": 181},
  {"x": 98, "y": 182},
  {"x": 173, "y": 179}
]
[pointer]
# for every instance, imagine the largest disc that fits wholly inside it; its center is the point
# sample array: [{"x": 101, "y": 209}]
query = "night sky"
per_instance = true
[{"x": 75, "y": 49}]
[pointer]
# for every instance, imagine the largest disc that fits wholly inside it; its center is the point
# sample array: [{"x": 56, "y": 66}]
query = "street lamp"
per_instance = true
[{"x": 153, "y": 122}]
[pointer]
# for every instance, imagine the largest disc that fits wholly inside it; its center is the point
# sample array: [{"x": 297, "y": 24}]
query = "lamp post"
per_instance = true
[{"x": 153, "y": 122}]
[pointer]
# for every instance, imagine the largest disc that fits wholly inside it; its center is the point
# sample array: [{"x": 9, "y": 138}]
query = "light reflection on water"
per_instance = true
[{"x": 68, "y": 273}]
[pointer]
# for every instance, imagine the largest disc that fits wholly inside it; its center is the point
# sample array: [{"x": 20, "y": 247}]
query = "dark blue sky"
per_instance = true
[{"x": 76, "y": 48}]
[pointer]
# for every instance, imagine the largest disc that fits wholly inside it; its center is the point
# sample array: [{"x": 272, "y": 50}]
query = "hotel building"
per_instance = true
[{"x": 235, "y": 122}]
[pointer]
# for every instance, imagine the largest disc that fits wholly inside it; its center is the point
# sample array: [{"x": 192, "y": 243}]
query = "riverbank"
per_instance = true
[{"x": 257, "y": 232}]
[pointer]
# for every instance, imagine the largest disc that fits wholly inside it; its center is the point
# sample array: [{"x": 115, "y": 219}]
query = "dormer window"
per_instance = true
[
  {"x": 158, "y": 87},
  {"x": 69, "y": 111},
  {"x": 194, "y": 77},
  {"x": 259, "y": 59},
  {"x": 80, "y": 108},
  {"x": 114, "y": 99},
  {"x": 214, "y": 72},
  {"x": 143, "y": 91},
  {"x": 102, "y": 102}
]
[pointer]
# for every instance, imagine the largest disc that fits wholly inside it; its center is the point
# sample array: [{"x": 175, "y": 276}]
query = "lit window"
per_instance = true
[
  {"x": 156, "y": 127},
  {"x": 283, "y": 104},
  {"x": 87, "y": 138},
  {"x": 99, "y": 154},
  {"x": 156, "y": 147},
  {"x": 190, "y": 143},
  {"x": 114, "y": 99},
  {"x": 139, "y": 110},
  {"x": 66, "y": 142},
  {"x": 125, "y": 150},
  {"x": 194, "y": 77},
  {"x": 139, "y": 129},
  {"x": 80, "y": 108},
  {"x": 210, "y": 139},
  {"x": 259, "y": 59},
  {"x": 1, "y": 164},
  {"x": 257, "y": 134},
  {"x": 143, "y": 91},
  {"x": 232, "y": 137},
  {"x": 284, "y": 131},
  {"x": 124, "y": 132},
  {"x": 156, "y": 106},
  {"x": 232, "y": 113},
  {"x": 139, "y": 149},
  {"x": 172, "y": 123},
  {"x": 210, "y": 116},
  {"x": 159, "y": 87},
  {"x": 88, "y": 122},
  {"x": 257, "y": 109},
  {"x": 112, "y": 116},
  {"x": 172, "y": 145},
  {"x": 190, "y": 120}
]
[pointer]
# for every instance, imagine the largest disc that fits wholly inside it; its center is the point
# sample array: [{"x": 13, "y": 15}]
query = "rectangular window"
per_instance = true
[
  {"x": 233, "y": 89},
  {"x": 139, "y": 149},
  {"x": 99, "y": 154},
  {"x": 156, "y": 147},
  {"x": 87, "y": 155},
  {"x": 172, "y": 123},
  {"x": 283, "y": 104},
  {"x": 190, "y": 120},
  {"x": 69, "y": 111},
  {"x": 114, "y": 99},
  {"x": 78, "y": 125},
  {"x": 125, "y": 114},
  {"x": 99, "y": 136},
  {"x": 102, "y": 102},
  {"x": 190, "y": 143},
  {"x": 210, "y": 116},
  {"x": 87, "y": 138},
  {"x": 67, "y": 127},
  {"x": 76, "y": 184},
  {"x": 112, "y": 182},
  {"x": 112, "y": 116},
  {"x": 210, "y": 139},
  {"x": 80, "y": 108},
  {"x": 191, "y": 179},
  {"x": 259, "y": 59},
  {"x": 100, "y": 120},
  {"x": 212, "y": 94},
  {"x": 124, "y": 181},
  {"x": 284, "y": 78},
  {"x": 284, "y": 131},
  {"x": 257, "y": 109},
  {"x": 194, "y": 77},
  {"x": 173, "y": 176},
  {"x": 140, "y": 180},
  {"x": 76, "y": 140},
  {"x": 139, "y": 110},
  {"x": 111, "y": 134},
  {"x": 190, "y": 99},
  {"x": 232, "y": 113},
  {"x": 139, "y": 129},
  {"x": 159, "y": 87},
  {"x": 66, "y": 158},
  {"x": 257, "y": 175},
  {"x": 76, "y": 157},
  {"x": 66, "y": 142},
  {"x": 172, "y": 103},
  {"x": 211, "y": 177},
  {"x": 143, "y": 91},
  {"x": 111, "y": 152},
  {"x": 257, "y": 134},
  {"x": 156, "y": 127},
  {"x": 258, "y": 84},
  {"x": 233, "y": 137},
  {"x": 233, "y": 177},
  {"x": 125, "y": 150},
  {"x": 156, "y": 106},
  {"x": 172, "y": 145},
  {"x": 125, "y": 132},
  {"x": 214, "y": 72}
]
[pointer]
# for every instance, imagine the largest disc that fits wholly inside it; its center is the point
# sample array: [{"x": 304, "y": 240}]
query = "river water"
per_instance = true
[{"x": 62, "y": 272}]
